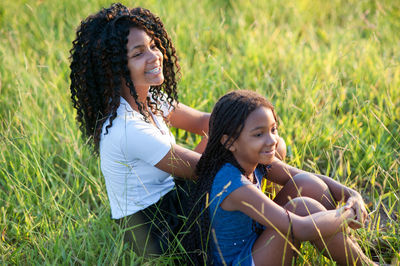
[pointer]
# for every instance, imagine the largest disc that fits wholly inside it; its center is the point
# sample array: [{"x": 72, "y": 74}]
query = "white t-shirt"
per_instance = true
[{"x": 128, "y": 154}]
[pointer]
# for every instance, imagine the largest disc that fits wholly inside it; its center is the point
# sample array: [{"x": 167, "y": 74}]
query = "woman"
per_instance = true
[{"x": 123, "y": 85}]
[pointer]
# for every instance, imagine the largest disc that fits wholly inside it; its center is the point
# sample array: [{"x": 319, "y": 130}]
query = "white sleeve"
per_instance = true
[{"x": 144, "y": 141}]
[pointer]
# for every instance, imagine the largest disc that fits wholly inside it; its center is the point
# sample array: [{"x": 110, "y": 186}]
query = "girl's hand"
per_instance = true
[{"x": 356, "y": 203}]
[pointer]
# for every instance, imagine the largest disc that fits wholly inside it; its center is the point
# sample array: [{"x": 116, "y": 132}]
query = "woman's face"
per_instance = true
[{"x": 145, "y": 61}]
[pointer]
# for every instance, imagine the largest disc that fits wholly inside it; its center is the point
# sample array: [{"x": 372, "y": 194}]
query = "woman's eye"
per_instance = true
[{"x": 136, "y": 54}]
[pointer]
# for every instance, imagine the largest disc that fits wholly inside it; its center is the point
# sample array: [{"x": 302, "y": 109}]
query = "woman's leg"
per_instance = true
[
  {"x": 306, "y": 185},
  {"x": 141, "y": 232},
  {"x": 152, "y": 231}
]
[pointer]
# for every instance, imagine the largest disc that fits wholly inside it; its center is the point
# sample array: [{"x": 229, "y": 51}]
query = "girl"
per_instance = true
[
  {"x": 247, "y": 227},
  {"x": 124, "y": 72}
]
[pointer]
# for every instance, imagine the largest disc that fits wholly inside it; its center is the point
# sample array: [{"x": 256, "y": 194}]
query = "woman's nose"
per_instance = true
[{"x": 154, "y": 55}]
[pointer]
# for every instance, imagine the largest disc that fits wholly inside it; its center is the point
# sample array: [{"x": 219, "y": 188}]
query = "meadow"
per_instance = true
[{"x": 331, "y": 68}]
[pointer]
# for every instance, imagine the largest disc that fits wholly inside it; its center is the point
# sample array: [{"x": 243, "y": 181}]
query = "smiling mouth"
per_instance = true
[
  {"x": 269, "y": 152},
  {"x": 155, "y": 70}
]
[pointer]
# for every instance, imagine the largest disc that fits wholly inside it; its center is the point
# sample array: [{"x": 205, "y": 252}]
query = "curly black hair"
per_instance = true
[
  {"x": 227, "y": 118},
  {"x": 99, "y": 66}
]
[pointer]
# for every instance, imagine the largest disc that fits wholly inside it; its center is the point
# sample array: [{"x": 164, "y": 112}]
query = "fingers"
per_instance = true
[
  {"x": 358, "y": 205},
  {"x": 362, "y": 213},
  {"x": 353, "y": 224},
  {"x": 349, "y": 204},
  {"x": 360, "y": 216},
  {"x": 352, "y": 203}
]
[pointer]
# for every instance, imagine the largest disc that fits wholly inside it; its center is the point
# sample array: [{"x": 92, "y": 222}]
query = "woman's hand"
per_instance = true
[
  {"x": 280, "y": 149},
  {"x": 356, "y": 203}
]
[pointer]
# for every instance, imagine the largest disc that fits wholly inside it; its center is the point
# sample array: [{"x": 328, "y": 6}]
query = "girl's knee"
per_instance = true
[
  {"x": 305, "y": 179},
  {"x": 309, "y": 184},
  {"x": 304, "y": 206}
]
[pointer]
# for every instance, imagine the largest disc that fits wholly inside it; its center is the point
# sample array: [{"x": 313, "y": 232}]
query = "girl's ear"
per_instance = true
[{"x": 228, "y": 145}]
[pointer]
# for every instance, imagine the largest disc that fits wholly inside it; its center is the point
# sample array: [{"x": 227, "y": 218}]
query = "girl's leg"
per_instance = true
[
  {"x": 271, "y": 248},
  {"x": 340, "y": 247},
  {"x": 306, "y": 185}
]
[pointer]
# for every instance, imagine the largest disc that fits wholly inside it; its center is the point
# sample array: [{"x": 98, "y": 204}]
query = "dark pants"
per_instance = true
[{"x": 155, "y": 230}]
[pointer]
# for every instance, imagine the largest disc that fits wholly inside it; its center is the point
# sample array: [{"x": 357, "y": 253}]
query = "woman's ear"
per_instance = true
[{"x": 228, "y": 145}]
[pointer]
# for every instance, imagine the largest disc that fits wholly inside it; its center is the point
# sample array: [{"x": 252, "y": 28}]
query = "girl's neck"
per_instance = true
[
  {"x": 248, "y": 169},
  {"x": 251, "y": 177}
]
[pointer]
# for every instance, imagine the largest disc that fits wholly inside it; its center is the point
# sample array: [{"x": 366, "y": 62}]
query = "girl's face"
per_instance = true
[
  {"x": 144, "y": 61},
  {"x": 257, "y": 141}
]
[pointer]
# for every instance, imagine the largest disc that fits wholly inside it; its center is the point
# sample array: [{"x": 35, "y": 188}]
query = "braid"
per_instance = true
[
  {"x": 227, "y": 118},
  {"x": 99, "y": 66}
]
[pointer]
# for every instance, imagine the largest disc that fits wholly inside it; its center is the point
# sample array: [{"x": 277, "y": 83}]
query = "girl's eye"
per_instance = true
[
  {"x": 274, "y": 130},
  {"x": 258, "y": 134}
]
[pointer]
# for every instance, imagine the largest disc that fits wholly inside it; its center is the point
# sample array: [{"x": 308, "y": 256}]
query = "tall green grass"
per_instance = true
[{"x": 331, "y": 68}]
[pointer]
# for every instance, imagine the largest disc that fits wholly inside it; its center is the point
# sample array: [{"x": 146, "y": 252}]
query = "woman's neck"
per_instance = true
[{"x": 142, "y": 97}]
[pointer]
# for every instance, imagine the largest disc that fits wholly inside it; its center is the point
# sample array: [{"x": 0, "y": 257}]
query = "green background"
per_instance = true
[{"x": 331, "y": 68}]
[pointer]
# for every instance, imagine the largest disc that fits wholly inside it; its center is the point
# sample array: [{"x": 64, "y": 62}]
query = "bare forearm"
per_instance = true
[
  {"x": 180, "y": 162},
  {"x": 202, "y": 145},
  {"x": 321, "y": 224},
  {"x": 339, "y": 191}
]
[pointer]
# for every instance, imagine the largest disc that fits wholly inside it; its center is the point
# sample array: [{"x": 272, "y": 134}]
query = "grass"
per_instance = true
[{"x": 331, "y": 68}]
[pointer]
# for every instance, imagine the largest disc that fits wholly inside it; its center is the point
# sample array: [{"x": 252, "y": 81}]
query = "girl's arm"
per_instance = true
[
  {"x": 252, "y": 202},
  {"x": 281, "y": 173}
]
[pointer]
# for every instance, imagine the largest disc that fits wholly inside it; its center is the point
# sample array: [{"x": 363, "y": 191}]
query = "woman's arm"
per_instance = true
[
  {"x": 192, "y": 120},
  {"x": 189, "y": 119},
  {"x": 179, "y": 162},
  {"x": 281, "y": 149},
  {"x": 252, "y": 202}
]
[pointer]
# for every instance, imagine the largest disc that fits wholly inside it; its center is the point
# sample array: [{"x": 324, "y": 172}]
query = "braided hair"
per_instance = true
[
  {"x": 227, "y": 118},
  {"x": 99, "y": 66}
]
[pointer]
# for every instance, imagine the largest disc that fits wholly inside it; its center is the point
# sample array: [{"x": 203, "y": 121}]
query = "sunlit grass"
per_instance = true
[{"x": 331, "y": 68}]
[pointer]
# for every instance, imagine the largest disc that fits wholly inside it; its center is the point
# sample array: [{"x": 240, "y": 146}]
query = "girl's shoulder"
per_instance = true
[
  {"x": 227, "y": 179},
  {"x": 229, "y": 169}
]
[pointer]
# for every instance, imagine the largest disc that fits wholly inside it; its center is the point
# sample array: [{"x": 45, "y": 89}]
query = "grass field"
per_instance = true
[{"x": 331, "y": 68}]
